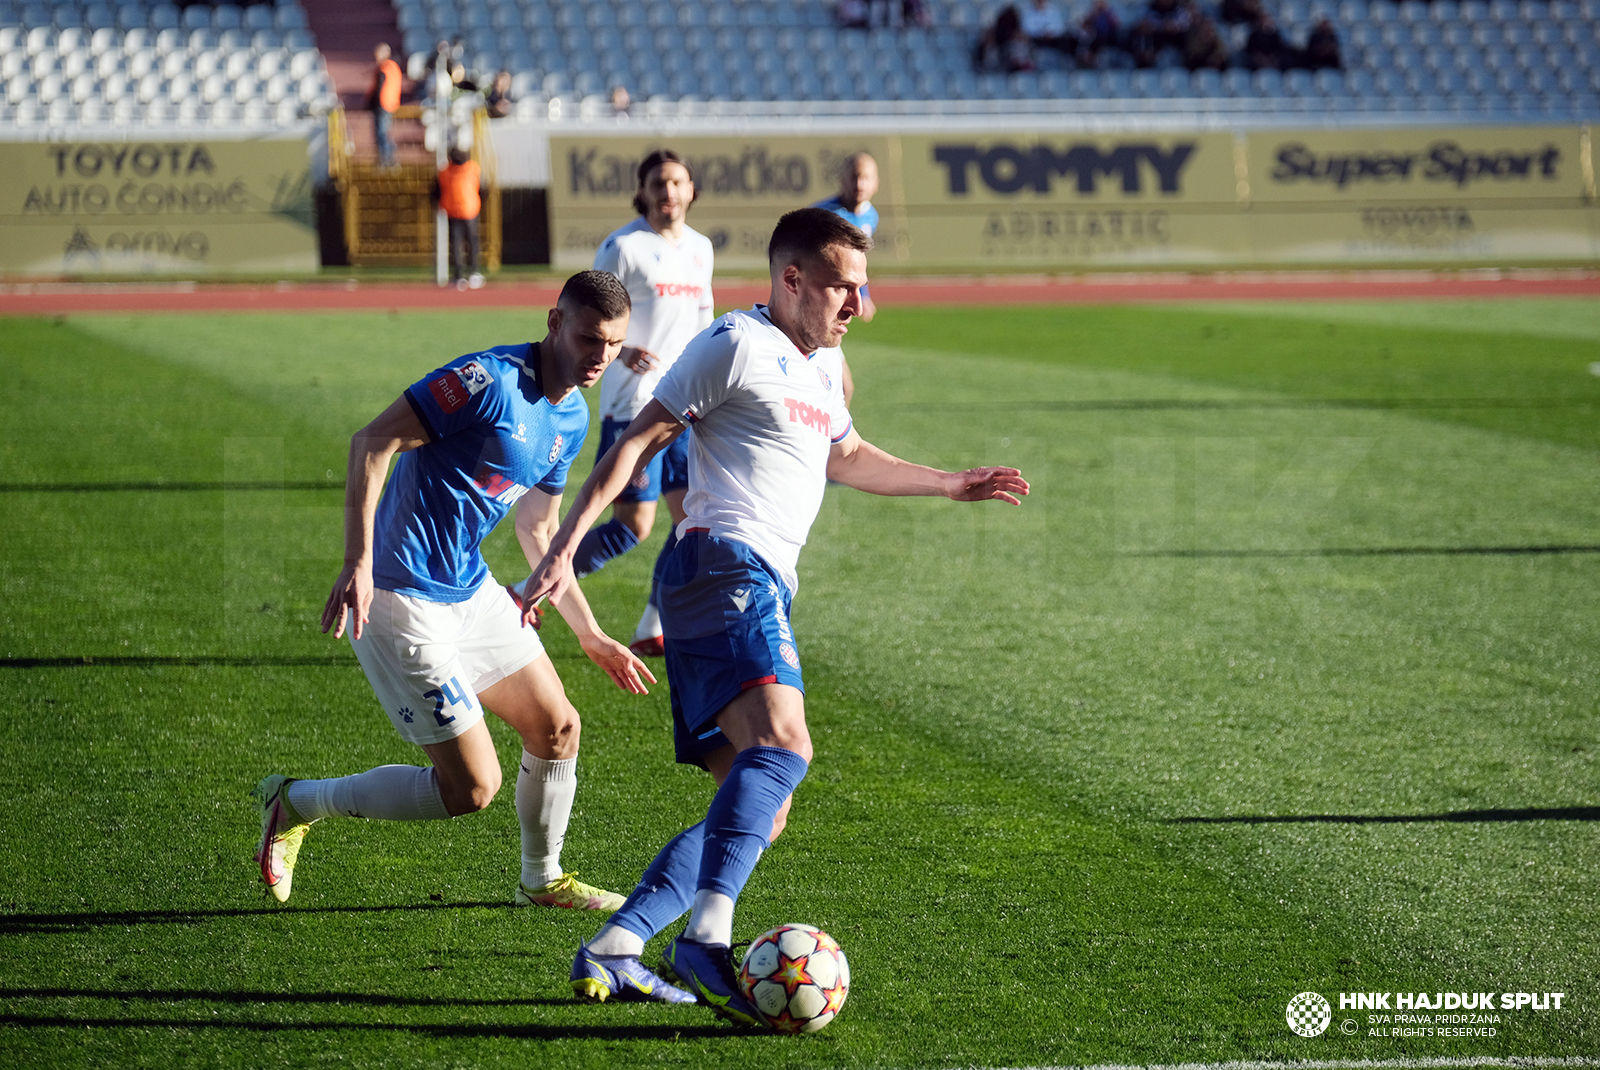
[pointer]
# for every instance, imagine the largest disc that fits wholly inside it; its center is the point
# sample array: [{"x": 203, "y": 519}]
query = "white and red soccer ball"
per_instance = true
[{"x": 797, "y": 977}]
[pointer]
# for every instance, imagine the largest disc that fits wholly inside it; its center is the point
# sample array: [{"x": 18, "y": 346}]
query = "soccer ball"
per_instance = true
[{"x": 797, "y": 977}]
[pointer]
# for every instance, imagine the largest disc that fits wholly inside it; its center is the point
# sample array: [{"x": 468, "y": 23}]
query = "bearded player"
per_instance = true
[{"x": 666, "y": 267}]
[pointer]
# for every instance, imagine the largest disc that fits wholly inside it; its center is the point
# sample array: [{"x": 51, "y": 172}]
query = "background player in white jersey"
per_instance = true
[
  {"x": 434, "y": 632},
  {"x": 770, "y": 428},
  {"x": 666, "y": 266}
]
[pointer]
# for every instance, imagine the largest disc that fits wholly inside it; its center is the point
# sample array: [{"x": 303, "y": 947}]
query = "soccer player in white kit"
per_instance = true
[
  {"x": 666, "y": 267},
  {"x": 438, "y": 639},
  {"x": 760, "y": 389}
]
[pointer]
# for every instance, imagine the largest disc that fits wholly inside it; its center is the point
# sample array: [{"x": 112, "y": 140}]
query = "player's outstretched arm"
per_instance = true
[
  {"x": 857, "y": 463},
  {"x": 396, "y": 430},
  {"x": 538, "y": 514},
  {"x": 649, "y": 433}
]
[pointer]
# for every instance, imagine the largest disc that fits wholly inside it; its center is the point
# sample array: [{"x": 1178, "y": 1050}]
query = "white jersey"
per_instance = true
[
  {"x": 765, "y": 418},
  {"x": 670, "y": 286}
]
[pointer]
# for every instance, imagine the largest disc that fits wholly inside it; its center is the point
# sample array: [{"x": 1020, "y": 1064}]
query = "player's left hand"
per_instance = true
[
  {"x": 620, "y": 663},
  {"x": 982, "y": 484}
]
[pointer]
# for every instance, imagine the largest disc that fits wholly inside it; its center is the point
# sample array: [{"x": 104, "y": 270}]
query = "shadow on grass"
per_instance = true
[
  {"x": 207, "y": 487},
  {"x": 91, "y": 661},
  {"x": 1378, "y": 551},
  {"x": 179, "y": 995},
  {"x": 520, "y": 1031},
  {"x": 1561, "y": 813},
  {"x": 47, "y": 923}
]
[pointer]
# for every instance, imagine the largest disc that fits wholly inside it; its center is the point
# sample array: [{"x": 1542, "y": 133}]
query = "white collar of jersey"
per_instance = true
[
  {"x": 530, "y": 368},
  {"x": 768, "y": 317}
]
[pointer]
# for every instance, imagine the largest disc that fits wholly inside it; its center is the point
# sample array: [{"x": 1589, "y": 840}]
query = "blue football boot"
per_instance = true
[
  {"x": 707, "y": 971},
  {"x": 620, "y": 977}
]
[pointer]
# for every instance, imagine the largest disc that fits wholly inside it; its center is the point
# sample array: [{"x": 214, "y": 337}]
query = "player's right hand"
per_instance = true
[
  {"x": 637, "y": 360},
  {"x": 352, "y": 594}
]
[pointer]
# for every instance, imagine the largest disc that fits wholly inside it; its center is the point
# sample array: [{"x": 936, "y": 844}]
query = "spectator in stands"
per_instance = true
[
  {"x": 621, "y": 102},
  {"x": 1322, "y": 48},
  {"x": 1164, "y": 24},
  {"x": 1204, "y": 47},
  {"x": 461, "y": 82},
  {"x": 1240, "y": 12},
  {"x": 498, "y": 100},
  {"x": 382, "y": 99},
  {"x": 1265, "y": 49},
  {"x": 1045, "y": 26},
  {"x": 1101, "y": 29},
  {"x": 852, "y": 14},
  {"x": 1004, "y": 46},
  {"x": 458, "y": 191},
  {"x": 916, "y": 13}
]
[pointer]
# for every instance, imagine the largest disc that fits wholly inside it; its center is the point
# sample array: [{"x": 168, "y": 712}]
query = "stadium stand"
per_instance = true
[
  {"x": 86, "y": 62},
  {"x": 1445, "y": 59},
  {"x": 90, "y": 64}
]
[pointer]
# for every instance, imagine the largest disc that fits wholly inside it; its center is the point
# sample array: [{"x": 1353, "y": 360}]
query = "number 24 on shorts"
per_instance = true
[{"x": 452, "y": 693}]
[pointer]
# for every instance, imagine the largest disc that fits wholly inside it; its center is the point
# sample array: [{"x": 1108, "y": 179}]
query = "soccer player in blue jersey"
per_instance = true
[
  {"x": 436, "y": 635},
  {"x": 761, "y": 389},
  {"x": 858, "y": 182}
]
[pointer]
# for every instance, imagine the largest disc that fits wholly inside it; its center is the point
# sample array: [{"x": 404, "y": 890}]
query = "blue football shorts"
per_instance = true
[
  {"x": 667, "y": 470},
  {"x": 725, "y": 615}
]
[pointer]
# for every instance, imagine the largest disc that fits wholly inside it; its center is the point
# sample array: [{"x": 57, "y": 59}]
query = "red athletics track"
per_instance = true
[{"x": 51, "y": 299}]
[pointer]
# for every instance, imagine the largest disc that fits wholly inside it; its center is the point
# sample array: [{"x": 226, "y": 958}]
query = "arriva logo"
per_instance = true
[{"x": 1011, "y": 169}]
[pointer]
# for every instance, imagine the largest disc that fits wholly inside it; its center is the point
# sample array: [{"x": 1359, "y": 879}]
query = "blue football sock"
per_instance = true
[
  {"x": 666, "y": 890},
  {"x": 661, "y": 566},
  {"x": 601, "y": 543},
  {"x": 739, "y": 822}
]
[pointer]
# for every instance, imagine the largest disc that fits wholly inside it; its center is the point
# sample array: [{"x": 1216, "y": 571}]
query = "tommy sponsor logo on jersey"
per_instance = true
[
  {"x": 495, "y": 485},
  {"x": 810, "y": 416},
  {"x": 679, "y": 289},
  {"x": 456, "y": 386},
  {"x": 555, "y": 450}
]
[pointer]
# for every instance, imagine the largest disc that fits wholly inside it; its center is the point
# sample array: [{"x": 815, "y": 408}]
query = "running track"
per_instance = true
[{"x": 52, "y": 299}]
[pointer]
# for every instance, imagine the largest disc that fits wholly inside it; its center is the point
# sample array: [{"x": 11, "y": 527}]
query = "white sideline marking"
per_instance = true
[{"x": 1518, "y": 1062}]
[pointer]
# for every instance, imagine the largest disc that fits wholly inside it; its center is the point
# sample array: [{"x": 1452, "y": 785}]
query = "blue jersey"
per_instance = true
[
  {"x": 492, "y": 436},
  {"x": 867, "y": 221}
]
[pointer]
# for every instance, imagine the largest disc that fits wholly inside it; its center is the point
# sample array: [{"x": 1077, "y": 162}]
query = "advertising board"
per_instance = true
[
  {"x": 193, "y": 208},
  {"x": 1074, "y": 201}
]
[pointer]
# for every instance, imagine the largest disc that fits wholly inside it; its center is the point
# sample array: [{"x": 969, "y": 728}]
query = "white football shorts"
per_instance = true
[{"x": 427, "y": 661}]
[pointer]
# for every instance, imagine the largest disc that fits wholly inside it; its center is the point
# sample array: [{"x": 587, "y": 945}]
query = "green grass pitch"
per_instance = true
[{"x": 1284, "y": 679}]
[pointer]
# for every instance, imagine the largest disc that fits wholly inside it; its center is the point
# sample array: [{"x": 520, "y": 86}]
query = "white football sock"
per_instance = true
[
  {"x": 615, "y": 940},
  {"x": 387, "y": 793},
  {"x": 649, "y": 623},
  {"x": 545, "y": 790},
  {"x": 711, "y": 921}
]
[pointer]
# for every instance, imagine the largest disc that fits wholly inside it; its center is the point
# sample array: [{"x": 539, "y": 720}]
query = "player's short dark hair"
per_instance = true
[
  {"x": 599, "y": 290},
  {"x": 802, "y": 234},
  {"x": 650, "y": 163},
  {"x": 459, "y": 156}
]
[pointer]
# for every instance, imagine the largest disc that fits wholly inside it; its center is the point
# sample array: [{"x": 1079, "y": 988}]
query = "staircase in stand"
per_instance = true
[{"x": 389, "y": 215}]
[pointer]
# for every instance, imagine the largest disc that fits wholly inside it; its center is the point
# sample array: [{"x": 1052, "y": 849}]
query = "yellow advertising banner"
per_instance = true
[
  {"x": 744, "y": 185},
  {"x": 194, "y": 208},
  {"x": 1046, "y": 200}
]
